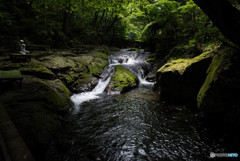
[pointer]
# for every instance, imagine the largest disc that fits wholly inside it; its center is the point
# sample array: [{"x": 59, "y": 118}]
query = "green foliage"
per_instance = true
[{"x": 160, "y": 23}]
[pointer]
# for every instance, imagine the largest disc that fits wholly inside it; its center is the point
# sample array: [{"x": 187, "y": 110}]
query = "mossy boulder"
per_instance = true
[
  {"x": 88, "y": 69},
  {"x": 58, "y": 63},
  {"x": 180, "y": 80},
  {"x": 37, "y": 69},
  {"x": 97, "y": 65},
  {"x": 219, "y": 94},
  {"x": 101, "y": 55},
  {"x": 84, "y": 60},
  {"x": 36, "y": 109},
  {"x": 122, "y": 80},
  {"x": 77, "y": 72}
]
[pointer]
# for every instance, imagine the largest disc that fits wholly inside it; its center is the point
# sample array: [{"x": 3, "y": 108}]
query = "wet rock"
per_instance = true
[
  {"x": 151, "y": 77},
  {"x": 88, "y": 70},
  {"x": 180, "y": 80},
  {"x": 58, "y": 63},
  {"x": 120, "y": 60},
  {"x": 36, "y": 109},
  {"x": 97, "y": 65},
  {"x": 84, "y": 85},
  {"x": 37, "y": 69},
  {"x": 122, "y": 80},
  {"x": 78, "y": 72}
]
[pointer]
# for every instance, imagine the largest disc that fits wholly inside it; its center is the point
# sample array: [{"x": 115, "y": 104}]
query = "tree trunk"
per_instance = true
[
  {"x": 95, "y": 18},
  {"x": 112, "y": 24},
  {"x": 65, "y": 19},
  {"x": 224, "y": 16},
  {"x": 103, "y": 14},
  {"x": 66, "y": 15}
]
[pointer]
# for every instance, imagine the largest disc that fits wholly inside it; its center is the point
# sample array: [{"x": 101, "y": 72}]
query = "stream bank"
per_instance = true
[
  {"x": 51, "y": 77},
  {"x": 207, "y": 83},
  {"x": 135, "y": 125},
  {"x": 39, "y": 105}
]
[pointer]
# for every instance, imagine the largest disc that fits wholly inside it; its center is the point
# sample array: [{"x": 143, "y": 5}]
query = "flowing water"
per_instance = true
[
  {"x": 133, "y": 126},
  {"x": 132, "y": 60}
]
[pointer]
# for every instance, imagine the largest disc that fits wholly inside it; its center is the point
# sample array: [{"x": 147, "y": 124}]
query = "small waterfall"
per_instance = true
[
  {"x": 100, "y": 87},
  {"x": 132, "y": 60},
  {"x": 135, "y": 61}
]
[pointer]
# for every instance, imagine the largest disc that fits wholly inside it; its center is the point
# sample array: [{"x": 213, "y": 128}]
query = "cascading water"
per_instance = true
[
  {"x": 133, "y": 125},
  {"x": 135, "y": 61},
  {"x": 132, "y": 60},
  {"x": 102, "y": 84}
]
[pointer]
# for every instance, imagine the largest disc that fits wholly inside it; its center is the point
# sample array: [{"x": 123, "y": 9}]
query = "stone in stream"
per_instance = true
[
  {"x": 122, "y": 80},
  {"x": 180, "y": 80}
]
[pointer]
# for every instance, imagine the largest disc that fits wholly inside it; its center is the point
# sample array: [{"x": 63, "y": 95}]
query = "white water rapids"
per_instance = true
[{"x": 132, "y": 60}]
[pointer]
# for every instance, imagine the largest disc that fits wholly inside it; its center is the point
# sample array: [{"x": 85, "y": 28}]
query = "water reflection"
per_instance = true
[{"x": 133, "y": 126}]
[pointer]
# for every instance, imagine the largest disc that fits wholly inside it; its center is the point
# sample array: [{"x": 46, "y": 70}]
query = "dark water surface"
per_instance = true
[{"x": 133, "y": 127}]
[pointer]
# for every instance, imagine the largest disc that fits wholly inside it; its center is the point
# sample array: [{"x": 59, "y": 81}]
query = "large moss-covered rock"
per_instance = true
[
  {"x": 38, "y": 106},
  {"x": 37, "y": 69},
  {"x": 122, "y": 80},
  {"x": 180, "y": 80},
  {"x": 78, "y": 73},
  {"x": 36, "y": 109},
  {"x": 58, "y": 63},
  {"x": 97, "y": 65},
  {"x": 85, "y": 74},
  {"x": 220, "y": 91}
]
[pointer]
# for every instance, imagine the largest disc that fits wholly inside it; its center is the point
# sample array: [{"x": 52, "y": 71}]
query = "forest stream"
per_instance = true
[{"x": 132, "y": 125}]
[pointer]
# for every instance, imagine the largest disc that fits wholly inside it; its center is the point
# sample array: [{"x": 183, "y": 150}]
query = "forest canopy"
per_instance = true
[{"x": 60, "y": 23}]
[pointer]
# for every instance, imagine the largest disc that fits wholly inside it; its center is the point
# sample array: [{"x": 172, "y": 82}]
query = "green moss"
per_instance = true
[
  {"x": 69, "y": 79},
  {"x": 180, "y": 65},
  {"x": 37, "y": 69},
  {"x": 123, "y": 77},
  {"x": 220, "y": 62},
  {"x": 55, "y": 93},
  {"x": 10, "y": 74},
  {"x": 94, "y": 69},
  {"x": 85, "y": 75},
  {"x": 101, "y": 55},
  {"x": 97, "y": 65},
  {"x": 65, "y": 91},
  {"x": 85, "y": 60},
  {"x": 150, "y": 60},
  {"x": 58, "y": 63}
]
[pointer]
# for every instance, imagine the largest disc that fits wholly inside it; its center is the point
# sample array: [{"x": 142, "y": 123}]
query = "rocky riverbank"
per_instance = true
[
  {"x": 208, "y": 82},
  {"x": 49, "y": 78}
]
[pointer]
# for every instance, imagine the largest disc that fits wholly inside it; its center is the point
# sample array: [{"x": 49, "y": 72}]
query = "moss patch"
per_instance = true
[
  {"x": 58, "y": 63},
  {"x": 180, "y": 65},
  {"x": 84, "y": 60},
  {"x": 55, "y": 93},
  {"x": 220, "y": 62},
  {"x": 219, "y": 95},
  {"x": 123, "y": 79},
  {"x": 37, "y": 69},
  {"x": 101, "y": 55},
  {"x": 97, "y": 65},
  {"x": 179, "y": 81},
  {"x": 10, "y": 74}
]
